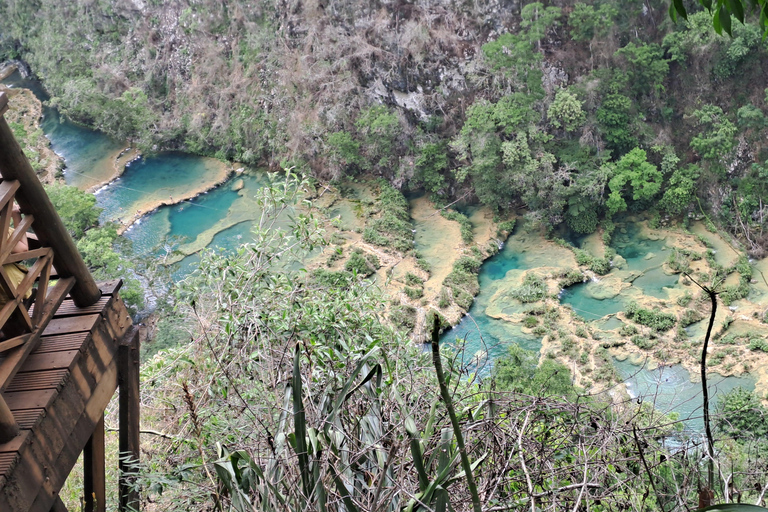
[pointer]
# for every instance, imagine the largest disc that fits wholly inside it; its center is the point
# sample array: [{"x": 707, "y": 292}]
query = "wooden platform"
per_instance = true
[{"x": 58, "y": 397}]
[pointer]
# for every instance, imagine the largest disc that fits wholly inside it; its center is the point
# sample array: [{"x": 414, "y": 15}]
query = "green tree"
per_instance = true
[
  {"x": 749, "y": 116},
  {"x": 566, "y": 111},
  {"x": 643, "y": 178},
  {"x": 588, "y": 22},
  {"x": 519, "y": 371},
  {"x": 614, "y": 118},
  {"x": 537, "y": 19},
  {"x": 379, "y": 129},
  {"x": 647, "y": 68},
  {"x": 343, "y": 151},
  {"x": 741, "y": 414},
  {"x": 680, "y": 190},
  {"x": 76, "y": 208},
  {"x": 716, "y": 138},
  {"x": 430, "y": 166}
]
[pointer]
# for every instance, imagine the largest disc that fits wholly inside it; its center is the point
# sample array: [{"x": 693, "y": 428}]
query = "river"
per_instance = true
[{"x": 218, "y": 211}]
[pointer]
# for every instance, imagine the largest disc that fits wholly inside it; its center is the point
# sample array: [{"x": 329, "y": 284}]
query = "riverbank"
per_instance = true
[
  {"x": 24, "y": 114},
  {"x": 119, "y": 158}
]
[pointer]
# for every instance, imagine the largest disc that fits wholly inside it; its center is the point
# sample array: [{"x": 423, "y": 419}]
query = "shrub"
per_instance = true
[
  {"x": 466, "y": 227},
  {"x": 332, "y": 279},
  {"x": 530, "y": 322},
  {"x": 414, "y": 293},
  {"x": 690, "y": 316},
  {"x": 445, "y": 297},
  {"x": 362, "y": 263},
  {"x": 413, "y": 280},
  {"x": 533, "y": 289},
  {"x": 505, "y": 228},
  {"x": 571, "y": 277},
  {"x": 628, "y": 330},
  {"x": 656, "y": 320}
]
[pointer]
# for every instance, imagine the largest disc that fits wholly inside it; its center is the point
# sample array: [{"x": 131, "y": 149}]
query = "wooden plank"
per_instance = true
[
  {"x": 72, "y": 324},
  {"x": 15, "y": 342},
  {"x": 49, "y": 361},
  {"x": 6, "y": 460},
  {"x": 29, "y": 418},
  {"x": 68, "y": 307},
  {"x": 94, "y": 474},
  {"x": 58, "y": 435},
  {"x": 15, "y": 358},
  {"x": 62, "y": 466},
  {"x": 30, "y": 399},
  {"x": 7, "y": 189},
  {"x": 60, "y": 342},
  {"x": 47, "y": 379},
  {"x": 19, "y": 493},
  {"x": 15, "y": 444},
  {"x": 110, "y": 287}
]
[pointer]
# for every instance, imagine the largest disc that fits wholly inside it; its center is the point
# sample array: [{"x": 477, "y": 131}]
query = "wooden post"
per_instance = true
[
  {"x": 94, "y": 477},
  {"x": 128, "y": 380},
  {"x": 48, "y": 226},
  {"x": 8, "y": 426}
]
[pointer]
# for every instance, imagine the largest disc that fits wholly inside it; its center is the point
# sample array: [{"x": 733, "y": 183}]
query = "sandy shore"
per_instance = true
[{"x": 120, "y": 158}]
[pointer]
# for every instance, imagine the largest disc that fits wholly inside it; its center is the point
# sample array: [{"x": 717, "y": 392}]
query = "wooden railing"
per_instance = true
[{"x": 31, "y": 300}]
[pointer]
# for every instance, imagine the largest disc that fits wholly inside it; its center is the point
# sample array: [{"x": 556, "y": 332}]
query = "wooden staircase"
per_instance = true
[{"x": 66, "y": 344}]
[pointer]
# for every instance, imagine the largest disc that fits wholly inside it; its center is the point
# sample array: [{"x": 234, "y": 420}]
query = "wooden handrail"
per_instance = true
[
  {"x": 48, "y": 226},
  {"x": 21, "y": 332}
]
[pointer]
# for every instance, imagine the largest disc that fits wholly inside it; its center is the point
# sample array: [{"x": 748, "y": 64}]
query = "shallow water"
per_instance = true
[
  {"x": 222, "y": 217},
  {"x": 89, "y": 154},
  {"x": 670, "y": 389},
  {"x": 148, "y": 181},
  {"x": 489, "y": 337},
  {"x": 587, "y": 306}
]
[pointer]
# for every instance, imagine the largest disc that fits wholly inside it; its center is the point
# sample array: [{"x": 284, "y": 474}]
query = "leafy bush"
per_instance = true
[
  {"x": 445, "y": 298},
  {"x": 332, "y": 279},
  {"x": 690, "y": 316},
  {"x": 392, "y": 228},
  {"x": 656, "y": 320},
  {"x": 741, "y": 414},
  {"x": 530, "y": 322},
  {"x": 362, "y": 263},
  {"x": 414, "y": 293},
  {"x": 533, "y": 289},
  {"x": 571, "y": 277},
  {"x": 413, "y": 280}
]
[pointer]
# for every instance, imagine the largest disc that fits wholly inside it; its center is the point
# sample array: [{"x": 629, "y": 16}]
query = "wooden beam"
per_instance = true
[
  {"x": 48, "y": 226},
  {"x": 59, "y": 506},
  {"x": 94, "y": 481},
  {"x": 128, "y": 359}
]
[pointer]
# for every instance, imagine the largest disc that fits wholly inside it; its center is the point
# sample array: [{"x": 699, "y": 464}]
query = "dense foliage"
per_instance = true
[{"x": 575, "y": 110}]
